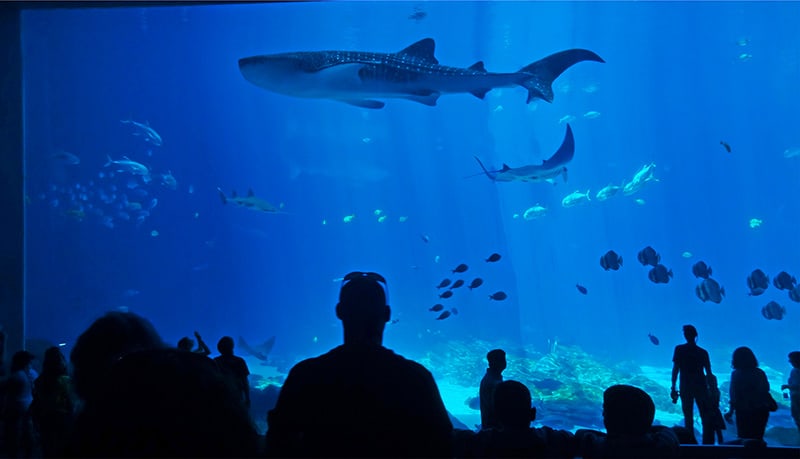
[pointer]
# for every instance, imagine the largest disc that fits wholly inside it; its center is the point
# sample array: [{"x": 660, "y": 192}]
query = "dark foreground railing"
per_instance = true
[{"x": 736, "y": 451}]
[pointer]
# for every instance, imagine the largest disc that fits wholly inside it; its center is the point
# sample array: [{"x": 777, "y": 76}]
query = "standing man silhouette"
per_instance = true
[
  {"x": 493, "y": 377},
  {"x": 691, "y": 362}
]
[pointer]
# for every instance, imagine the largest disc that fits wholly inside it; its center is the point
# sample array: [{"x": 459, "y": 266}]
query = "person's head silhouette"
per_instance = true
[
  {"x": 363, "y": 308},
  {"x": 512, "y": 403},
  {"x": 627, "y": 410},
  {"x": 496, "y": 359},
  {"x": 225, "y": 345},
  {"x": 690, "y": 333}
]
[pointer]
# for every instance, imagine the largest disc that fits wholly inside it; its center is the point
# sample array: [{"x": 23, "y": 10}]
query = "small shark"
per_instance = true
[
  {"x": 548, "y": 171},
  {"x": 150, "y": 134},
  {"x": 128, "y": 165},
  {"x": 360, "y": 77},
  {"x": 250, "y": 201},
  {"x": 261, "y": 351}
]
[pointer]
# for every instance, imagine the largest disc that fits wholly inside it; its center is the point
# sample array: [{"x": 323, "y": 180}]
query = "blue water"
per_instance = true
[{"x": 679, "y": 78}]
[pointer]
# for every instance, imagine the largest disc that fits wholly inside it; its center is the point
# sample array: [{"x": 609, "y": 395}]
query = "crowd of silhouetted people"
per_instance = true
[{"x": 126, "y": 393}]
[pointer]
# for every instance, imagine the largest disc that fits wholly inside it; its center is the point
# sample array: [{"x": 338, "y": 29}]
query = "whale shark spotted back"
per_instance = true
[{"x": 360, "y": 77}]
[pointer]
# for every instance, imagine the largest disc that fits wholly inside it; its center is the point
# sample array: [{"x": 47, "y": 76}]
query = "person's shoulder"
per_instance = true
[
  {"x": 313, "y": 364},
  {"x": 398, "y": 361}
]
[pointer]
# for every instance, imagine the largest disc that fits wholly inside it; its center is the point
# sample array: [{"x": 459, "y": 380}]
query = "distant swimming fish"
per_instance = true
[
  {"x": 143, "y": 129},
  {"x": 65, "y": 158},
  {"x": 250, "y": 201}
]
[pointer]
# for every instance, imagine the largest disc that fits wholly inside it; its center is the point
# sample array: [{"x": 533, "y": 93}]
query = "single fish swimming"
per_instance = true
[
  {"x": 548, "y": 171},
  {"x": 250, "y": 201},
  {"x": 143, "y": 129},
  {"x": 361, "y": 77}
]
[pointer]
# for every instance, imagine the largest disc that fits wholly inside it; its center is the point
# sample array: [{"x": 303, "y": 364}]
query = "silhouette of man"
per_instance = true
[
  {"x": 628, "y": 414},
  {"x": 493, "y": 377},
  {"x": 233, "y": 367},
  {"x": 360, "y": 399},
  {"x": 692, "y": 363}
]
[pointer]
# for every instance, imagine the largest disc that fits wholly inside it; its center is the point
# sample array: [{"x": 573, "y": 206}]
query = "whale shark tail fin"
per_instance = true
[{"x": 544, "y": 71}]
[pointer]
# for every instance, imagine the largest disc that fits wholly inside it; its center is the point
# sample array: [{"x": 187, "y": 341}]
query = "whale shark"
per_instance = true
[
  {"x": 360, "y": 77},
  {"x": 548, "y": 171}
]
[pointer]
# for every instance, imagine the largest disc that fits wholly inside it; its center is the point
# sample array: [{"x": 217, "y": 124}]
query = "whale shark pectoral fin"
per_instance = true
[
  {"x": 422, "y": 49},
  {"x": 428, "y": 98},
  {"x": 480, "y": 93},
  {"x": 364, "y": 103}
]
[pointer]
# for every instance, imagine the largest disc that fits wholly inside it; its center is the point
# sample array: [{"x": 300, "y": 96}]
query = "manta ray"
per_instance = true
[
  {"x": 260, "y": 351},
  {"x": 413, "y": 73},
  {"x": 548, "y": 171}
]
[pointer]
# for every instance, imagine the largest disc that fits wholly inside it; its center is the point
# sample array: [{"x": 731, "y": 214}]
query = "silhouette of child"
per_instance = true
[
  {"x": 717, "y": 422},
  {"x": 186, "y": 344},
  {"x": 793, "y": 386}
]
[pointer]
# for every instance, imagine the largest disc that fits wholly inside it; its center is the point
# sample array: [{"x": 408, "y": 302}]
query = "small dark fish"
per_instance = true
[
  {"x": 773, "y": 311},
  {"x": 417, "y": 15},
  {"x": 425, "y": 238},
  {"x": 443, "y": 315},
  {"x": 461, "y": 268},
  {"x": 648, "y": 256},
  {"x": 725, "y": 145},
  {"x": 653, "y": 339},
  {"x": 611, "y": 261},
  {"x": 581, "y": 289},
  {"x": 701, "y": 269},
  {"x": 477, "y": 282},
  {"x": 794, "y": 294},
  {"x": 436, "y": 308},
  {"x": 493, "y": 257},
  {"x": 446, "y": 294},
  {"x": 65, "y": 158},
  {"x": 458, "y": 283},
  {"x": 498, "y": 296},
  {"x": 394, "y": 321},
  {"x": 454, "y": 311},
  {"x": 784, "y": 281},
  {"x": 710, "y": 290},
  {"x": 757, "y": 282},
  {"x": 444, "y": 283},
  {"x": 659, "y": 274}
]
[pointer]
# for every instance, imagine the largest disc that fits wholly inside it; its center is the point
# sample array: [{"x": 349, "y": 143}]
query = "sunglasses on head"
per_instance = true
[{"x": 368, "y": 275}]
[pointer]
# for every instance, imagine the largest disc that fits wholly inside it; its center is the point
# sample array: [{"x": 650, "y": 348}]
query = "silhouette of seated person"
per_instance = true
[
  {"x": 628, "y": 414},
  {"x": 493, "y": 376},
  {"x": 108, "y": 339},
  {"x": 514, "y": 437},
  {"x": 186, "y": 344},
  {"x": 360, "y": 398},
  {"x": 234, "y": 368},
  {"x": 165, "y": 403}
]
